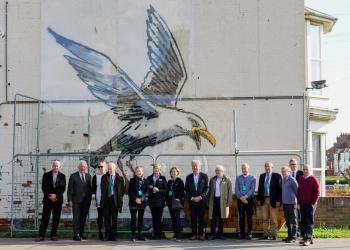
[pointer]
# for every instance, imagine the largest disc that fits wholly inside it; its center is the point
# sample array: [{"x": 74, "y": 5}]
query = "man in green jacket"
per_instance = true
[{"x": 220, "y": 198}]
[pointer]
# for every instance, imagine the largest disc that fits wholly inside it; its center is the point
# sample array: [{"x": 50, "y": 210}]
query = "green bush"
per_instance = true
[{"x": 333, "y": 181}]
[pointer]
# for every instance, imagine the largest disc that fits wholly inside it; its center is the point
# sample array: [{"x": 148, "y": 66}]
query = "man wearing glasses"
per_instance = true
[{"x": 294, "y": 172}]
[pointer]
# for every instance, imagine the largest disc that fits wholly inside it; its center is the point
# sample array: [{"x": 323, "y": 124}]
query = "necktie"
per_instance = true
[
  {"x": 110, "y": 186},
  {"x": 196, "y": 182},
  {"x": 267, "y": 185},
  {"x": 82, "y": 177},
  {"x": 293, "y": 174}
]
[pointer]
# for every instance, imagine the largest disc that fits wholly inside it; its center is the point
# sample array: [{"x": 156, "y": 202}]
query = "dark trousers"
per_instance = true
[
  {"x": 197, "y": 217},
  {"x": 110, "y": 217},
  {"x": 298, "y": 223},
  {"x": 307, "y": 213},
  {"x": 291, "y": 215},
  {"x": 157, "y": 214},
  {"x": 175, "y": 221},
  {"x": 100, "y": 215},
  {"x": 55, "y": 208},
  {"x": 80, "y": 213},
  {"x": 216, "y": 216},
  {"x": 245, "y": 212},
  {"x": 139, "y": 214}
]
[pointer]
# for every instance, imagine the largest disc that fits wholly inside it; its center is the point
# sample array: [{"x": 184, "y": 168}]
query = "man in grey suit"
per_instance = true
[{"x": 79, "y": 198}]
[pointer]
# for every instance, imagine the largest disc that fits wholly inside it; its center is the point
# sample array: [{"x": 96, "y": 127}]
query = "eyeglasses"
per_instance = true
[{"x": 100, "y": 167}]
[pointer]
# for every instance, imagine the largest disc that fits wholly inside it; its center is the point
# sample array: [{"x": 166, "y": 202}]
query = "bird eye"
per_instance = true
[{"x": 194, "y": 122}]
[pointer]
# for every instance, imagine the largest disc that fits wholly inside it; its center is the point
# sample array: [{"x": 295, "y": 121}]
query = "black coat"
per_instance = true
[
  {"x": 119, "y": 190},
  {"x": 78, "y": 191},
  {"x": 135, "y": 185},
  {"x": 203, "y": 187},
  {"x": 157, "y": 199},
  {"x": 299, "y": 174},
  {"x": 275, "y": 189},
  {"x": 48, "y": 187},
  {"x": 177, "y": 188}
]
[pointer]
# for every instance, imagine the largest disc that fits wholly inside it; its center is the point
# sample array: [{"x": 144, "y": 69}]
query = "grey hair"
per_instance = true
[
  {"x": 219, "y": 167},
  {"x": 112, "y": 164},
  {"x": 56, "y": 162},
  {"x": 82, "y": 162},
  {"x": 196, "y": 162},
  {"x": 269, "y": 163},
  {"x": 245, "y": 165},
  {"x": 285, "y": 168}
]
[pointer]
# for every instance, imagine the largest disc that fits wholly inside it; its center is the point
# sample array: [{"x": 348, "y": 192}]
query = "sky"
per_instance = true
[{"x": 336, "y": 63}]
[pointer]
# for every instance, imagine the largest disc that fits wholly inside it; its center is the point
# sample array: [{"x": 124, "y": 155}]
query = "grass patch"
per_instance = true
[{"x": 322, "y": 232}]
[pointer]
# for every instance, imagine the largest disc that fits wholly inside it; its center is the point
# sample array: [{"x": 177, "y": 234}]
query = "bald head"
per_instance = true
[
  {"x": 268, "y": 167},
  {"x": 307, "y": 169},
  {"x": 245, "y": 168}
]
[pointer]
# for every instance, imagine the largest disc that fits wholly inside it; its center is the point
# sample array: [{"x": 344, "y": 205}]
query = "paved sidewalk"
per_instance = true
[{"x": 328, "y": 244}]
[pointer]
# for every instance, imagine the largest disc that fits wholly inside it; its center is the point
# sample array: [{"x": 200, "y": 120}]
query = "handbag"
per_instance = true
[{"x": 176, "y": 204}]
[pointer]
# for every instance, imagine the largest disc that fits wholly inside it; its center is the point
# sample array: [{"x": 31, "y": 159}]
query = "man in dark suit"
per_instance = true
[
  {"x": 112, "y": 192},
  {"x": 79, "y": 197},
  {"x": 295, "y": 173},
  {"x": 270, "y": 196},
  {"x": 53, "y": 185},
  {"x": 196, "y": 188}
]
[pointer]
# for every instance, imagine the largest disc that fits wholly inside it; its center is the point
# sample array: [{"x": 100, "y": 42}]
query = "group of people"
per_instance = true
[{"x": 295, "y": 191}]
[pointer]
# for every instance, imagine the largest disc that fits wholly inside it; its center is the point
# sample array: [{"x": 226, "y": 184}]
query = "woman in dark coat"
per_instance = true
[
  {"x": 156, "y": 200},
  {"x": 138, "y": 193},
  {"x": 175, "y": 196}
]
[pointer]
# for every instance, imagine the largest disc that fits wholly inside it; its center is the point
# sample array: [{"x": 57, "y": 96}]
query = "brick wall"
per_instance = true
[{"x": 333, "y": 212}]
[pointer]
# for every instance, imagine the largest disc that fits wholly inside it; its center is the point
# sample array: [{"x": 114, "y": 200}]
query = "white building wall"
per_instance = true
[{"x": 231, "y": 49}]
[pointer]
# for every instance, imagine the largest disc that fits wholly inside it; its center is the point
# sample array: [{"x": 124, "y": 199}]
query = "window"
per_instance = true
[
  {"x": 314, "y": 54},
  {"x": 316, "y": 147}
]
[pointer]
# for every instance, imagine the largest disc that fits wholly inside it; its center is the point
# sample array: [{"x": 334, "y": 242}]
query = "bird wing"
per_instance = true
[
  {"x": 167, "y": 74},
  {"x": 106, "y": 81}
]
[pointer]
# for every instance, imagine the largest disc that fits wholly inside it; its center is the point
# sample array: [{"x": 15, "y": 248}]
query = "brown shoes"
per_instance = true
[
  {"x": 193, "y": 237},
  {"x": 201, "y": 237},
  {"x": 53, "y": 238}
]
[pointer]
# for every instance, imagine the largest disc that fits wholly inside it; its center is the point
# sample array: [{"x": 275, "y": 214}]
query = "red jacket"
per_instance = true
[{"x": 309, "y": 190}]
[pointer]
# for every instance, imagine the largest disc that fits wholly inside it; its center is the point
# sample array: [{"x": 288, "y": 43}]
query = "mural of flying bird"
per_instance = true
[{"x": 149, "y": 111}]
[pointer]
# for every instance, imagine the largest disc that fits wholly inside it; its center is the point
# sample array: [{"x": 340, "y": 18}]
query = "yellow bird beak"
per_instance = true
[{"x": 198, "y": 132}]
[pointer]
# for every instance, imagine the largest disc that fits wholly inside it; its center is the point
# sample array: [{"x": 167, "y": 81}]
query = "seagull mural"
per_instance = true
[{"x": 149, "y": 110}]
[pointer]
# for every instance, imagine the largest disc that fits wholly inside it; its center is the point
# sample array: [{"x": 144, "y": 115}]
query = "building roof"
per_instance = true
[{"x": 316, "y": 16}]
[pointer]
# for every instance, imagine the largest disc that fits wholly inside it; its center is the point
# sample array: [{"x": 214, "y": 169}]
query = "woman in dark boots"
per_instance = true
[
  {"x": 175, "y": 198},
  {"x": 138, "y": 193},
  {"x": 156, "y": 200},
  {"x": 96, "y": 194}
]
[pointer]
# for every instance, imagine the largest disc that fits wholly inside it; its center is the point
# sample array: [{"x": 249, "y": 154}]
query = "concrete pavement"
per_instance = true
[{"x": 13, "y": 244}]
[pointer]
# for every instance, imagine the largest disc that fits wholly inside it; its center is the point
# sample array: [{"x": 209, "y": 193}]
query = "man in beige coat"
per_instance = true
[{"x": 220, "y": 198}]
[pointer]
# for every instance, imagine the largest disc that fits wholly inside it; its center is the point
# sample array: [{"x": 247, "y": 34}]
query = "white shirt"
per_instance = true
[
  {"x": 195, "y": 179},
  {"x": 155, "y": 179},
  {"x": 98, "y": 187},
  {"x": 218, "y": 186},
  {"x": 54, "y": 178}
]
